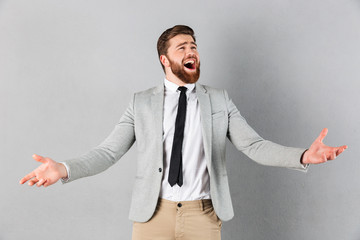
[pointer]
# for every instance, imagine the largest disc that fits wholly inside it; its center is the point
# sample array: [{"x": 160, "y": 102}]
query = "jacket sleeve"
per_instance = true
[
  {"x": 262, "y": 151},
  {"x": 108, "y": 152}
]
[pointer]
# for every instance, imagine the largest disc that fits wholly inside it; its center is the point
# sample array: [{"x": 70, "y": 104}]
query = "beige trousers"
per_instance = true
[{"x": 188, "y": 220}]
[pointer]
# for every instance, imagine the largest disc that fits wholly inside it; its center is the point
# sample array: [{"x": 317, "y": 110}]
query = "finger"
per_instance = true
[
  {"x": 27, "y": 177},
  {"x": 47, "y": 183},
  {"x": 340, "y": 150},
  {"x": 332, "y": 155},
  {"x": 40, "y": 182},
  {"x": 33, "y": 181},
  {"x": 39, "y": 158},
  {"x": 322, "y": 135}
]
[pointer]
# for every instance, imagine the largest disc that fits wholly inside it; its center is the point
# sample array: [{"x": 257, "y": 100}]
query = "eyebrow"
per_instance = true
[{"x": 181, "y": 44}]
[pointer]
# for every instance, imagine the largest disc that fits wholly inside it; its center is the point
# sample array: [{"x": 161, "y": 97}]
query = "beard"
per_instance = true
[{"x": 179, "y": 71}]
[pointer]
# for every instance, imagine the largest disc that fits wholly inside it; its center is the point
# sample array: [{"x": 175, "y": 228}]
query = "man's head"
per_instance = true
[{"x": 178, "y": 54}]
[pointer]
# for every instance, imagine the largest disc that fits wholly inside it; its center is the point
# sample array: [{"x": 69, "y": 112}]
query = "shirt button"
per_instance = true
[
  {"x": 160, "y": 170},
  {"x": 179, "y": 205}
]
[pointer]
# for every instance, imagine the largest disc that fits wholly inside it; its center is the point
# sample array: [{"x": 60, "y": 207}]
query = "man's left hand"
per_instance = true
[{"x": 319, "y": 152}]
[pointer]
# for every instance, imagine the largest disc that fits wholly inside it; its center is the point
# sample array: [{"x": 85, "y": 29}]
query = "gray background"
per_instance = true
[{"x": 68, "y": 70}]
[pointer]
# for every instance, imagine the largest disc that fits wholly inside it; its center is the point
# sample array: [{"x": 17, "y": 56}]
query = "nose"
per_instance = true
[{"x": 191, "y": 54}]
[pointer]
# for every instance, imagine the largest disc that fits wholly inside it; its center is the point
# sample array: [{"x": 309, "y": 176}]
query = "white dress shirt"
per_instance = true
[{"x": 195, "y": 174}]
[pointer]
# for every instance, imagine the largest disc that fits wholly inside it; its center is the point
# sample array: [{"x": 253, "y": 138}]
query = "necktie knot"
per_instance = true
[{"x": 182, "y": 89}]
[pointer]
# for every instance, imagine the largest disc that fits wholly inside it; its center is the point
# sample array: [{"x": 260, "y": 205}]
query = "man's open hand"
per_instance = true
[
  {"x": 319, "y": 152},
  {"x": 48, "y": 173}
]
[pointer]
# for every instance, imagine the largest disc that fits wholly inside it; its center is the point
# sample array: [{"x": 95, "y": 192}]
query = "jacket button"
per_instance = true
[{"x": 160, "y": 170}]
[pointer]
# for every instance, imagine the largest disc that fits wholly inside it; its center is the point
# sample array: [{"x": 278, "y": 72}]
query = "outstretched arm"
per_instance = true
[
  {"x": 48, "y": 173},
  {"x": 93, "y": 162},
  {"x": 319, "y": 152}
]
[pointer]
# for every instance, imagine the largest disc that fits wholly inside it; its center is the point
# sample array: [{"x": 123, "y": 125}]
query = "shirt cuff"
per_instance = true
[
  {"x": 65, "y": 180},
  {"x": 306, "y": 165}
]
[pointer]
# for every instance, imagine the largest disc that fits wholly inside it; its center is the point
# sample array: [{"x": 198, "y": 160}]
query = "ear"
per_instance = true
[{"x": 164, "y": 60}]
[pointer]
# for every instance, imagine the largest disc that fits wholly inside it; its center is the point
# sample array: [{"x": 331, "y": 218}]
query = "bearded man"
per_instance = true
[{"x": 181, "y": 189}]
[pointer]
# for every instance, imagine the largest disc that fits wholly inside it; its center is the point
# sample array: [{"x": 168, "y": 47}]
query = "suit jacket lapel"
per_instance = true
[
  {"x": 157, "y": 104},
  {"x": 206, "y": 121}
]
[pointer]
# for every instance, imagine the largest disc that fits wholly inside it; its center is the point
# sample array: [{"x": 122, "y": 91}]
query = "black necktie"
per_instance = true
[{"x": 175, "y": 172}]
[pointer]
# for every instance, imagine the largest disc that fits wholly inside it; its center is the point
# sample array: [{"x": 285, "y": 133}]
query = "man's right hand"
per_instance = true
[{"x": 48, "y": 173}]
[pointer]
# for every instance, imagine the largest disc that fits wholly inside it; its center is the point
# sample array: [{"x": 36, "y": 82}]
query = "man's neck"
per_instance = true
[{"x": 174, "y": 79}]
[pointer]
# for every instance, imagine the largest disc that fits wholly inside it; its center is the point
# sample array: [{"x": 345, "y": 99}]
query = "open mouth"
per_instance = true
[{"x": 190, "y": 64}]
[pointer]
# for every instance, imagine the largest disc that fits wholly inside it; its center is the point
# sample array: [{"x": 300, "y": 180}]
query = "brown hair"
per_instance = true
[{"x": 163, "y": 41}]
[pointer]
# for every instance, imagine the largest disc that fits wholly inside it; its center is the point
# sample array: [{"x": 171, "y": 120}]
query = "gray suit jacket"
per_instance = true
[{"x": 142, "y": 122}]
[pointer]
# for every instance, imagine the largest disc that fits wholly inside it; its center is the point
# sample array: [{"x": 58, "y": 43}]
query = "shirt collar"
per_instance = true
[{"x": 173, "y": 87}]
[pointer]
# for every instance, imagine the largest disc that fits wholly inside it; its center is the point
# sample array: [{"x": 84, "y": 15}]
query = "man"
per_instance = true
[{"x": 181, "y": 188}]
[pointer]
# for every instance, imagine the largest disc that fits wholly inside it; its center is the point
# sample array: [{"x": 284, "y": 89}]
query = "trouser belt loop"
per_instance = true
[{"x": 202, "y": 205}]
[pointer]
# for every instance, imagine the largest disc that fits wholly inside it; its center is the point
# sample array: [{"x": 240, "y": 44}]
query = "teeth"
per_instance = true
[{"x": 190, "y": 61}]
